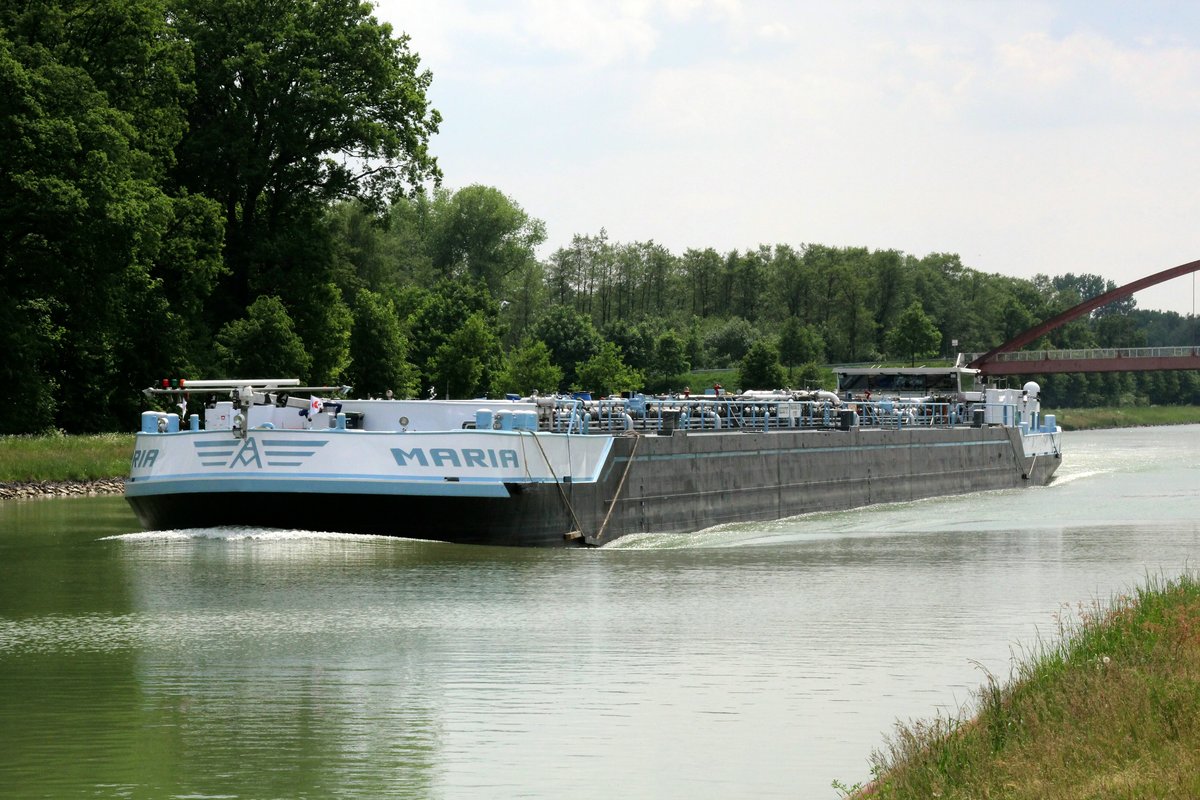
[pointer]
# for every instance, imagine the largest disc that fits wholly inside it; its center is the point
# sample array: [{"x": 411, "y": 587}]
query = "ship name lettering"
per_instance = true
[
  {"x": 144, "y": 459},
  {"x": 467, "y": 457}
]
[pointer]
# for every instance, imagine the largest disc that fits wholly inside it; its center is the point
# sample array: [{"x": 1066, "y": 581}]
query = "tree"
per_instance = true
[
  {"x": 263, "y": 344},
  {"x": 636, "y": 342},
  {"x": 701, "y": 271},
  {"x": 93, "y": 249},
  {"x": 670, "y": 362},
  {"x": 465, "y": 364},
  {"x": 570, "y": 337},
  {"x": 378, "y": 349},
  {"x": 528, "y": 369},
  {"x": 439, "y": 315},
  {"x": 606, "y": 374},
  {"x": 297, "y": 103},
  {"x": 730, "y": 341},
  {"x": 324, "y": 322},
  {"x": 914, "y": 334},
  {"x": 800, "y": 344},
  {"x": 482, "y": 234},
  {"x": 760, "y": 368}
]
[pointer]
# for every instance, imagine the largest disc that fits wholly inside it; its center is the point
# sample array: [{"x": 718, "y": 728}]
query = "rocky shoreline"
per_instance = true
[{"x": 28, "y": 489}]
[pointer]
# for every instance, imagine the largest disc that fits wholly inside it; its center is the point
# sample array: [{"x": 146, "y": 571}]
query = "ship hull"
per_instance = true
[{"x": 683, "y": 482}]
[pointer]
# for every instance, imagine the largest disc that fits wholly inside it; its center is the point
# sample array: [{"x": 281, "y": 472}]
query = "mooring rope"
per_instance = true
[
  {"x": 637, "y": 439},
  {"x": 566, "y": 500}
]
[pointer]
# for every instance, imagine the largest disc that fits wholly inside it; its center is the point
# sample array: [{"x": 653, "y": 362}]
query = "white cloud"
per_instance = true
[
  {"x": 1015, "y": 134},
  {"x": 597, "y": 33}
]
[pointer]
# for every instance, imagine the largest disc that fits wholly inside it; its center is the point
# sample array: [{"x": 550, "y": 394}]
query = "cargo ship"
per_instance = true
[{"x": 561, "y": 471}]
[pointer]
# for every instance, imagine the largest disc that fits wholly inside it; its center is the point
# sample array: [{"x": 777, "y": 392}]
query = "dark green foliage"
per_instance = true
[
  {"x": 730, "y": 341},
  {"x": 264, "y": 344},
  {"x": 527, "y": 370},
  {"x": 760, "y": 368},
  {"x": 440, "y": 314},
  {"x": 28, "y": 339},
  {"x": 800, "y": 344},
  {"x": 182, "y": 181},
  {"x": 481, "y": 235},
  {"x": 379, "y": 350},
  {"x": 467, "y": 362},
  {"x": 570, "y": 337},
  {"x": 914, "y": 335},
  {"x": 636, "y": 342},
  {"x": 323, "y": 321},
  {"x": 89, "y": 236},
  {"x": 606, "y": 374},
  {"x": 298, "y": 103},
  {"x": 670, "y": 362}
]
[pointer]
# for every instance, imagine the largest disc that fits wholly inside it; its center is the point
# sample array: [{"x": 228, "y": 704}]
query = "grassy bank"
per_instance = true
[
  {"x": 1081, "y": 419},
  {"x": 1109, "y": 710},
  {"x": 64, "y": 458}
]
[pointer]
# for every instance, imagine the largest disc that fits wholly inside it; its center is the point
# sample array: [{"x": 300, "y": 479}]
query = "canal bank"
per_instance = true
[
  {"x": 27, "y": 489},
  {"x": 1107, "y": 709}
]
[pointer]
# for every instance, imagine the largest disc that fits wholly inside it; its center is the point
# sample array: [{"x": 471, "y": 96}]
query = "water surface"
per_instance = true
[{"x": 746, "y": 661}]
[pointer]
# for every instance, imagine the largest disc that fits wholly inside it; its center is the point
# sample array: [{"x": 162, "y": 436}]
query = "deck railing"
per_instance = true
[{"x": 664, "y": 416}]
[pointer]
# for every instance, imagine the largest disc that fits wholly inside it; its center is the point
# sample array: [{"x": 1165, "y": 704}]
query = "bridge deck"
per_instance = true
[{"x": 1108, "y": 359}]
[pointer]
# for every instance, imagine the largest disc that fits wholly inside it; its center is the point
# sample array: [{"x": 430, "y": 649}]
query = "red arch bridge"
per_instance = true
[{"x": 1008, "y": 359}]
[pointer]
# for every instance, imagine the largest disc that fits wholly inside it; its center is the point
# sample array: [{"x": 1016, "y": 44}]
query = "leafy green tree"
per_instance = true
[
  {"x": 264, "y": 344},
  {"x": 29, "y": 338},
  {"x": 439, "y": 314},
  {"x": 800, "y": 344},
  {"x": 297, "y": 103},
  {"x": 760, "y": 368},
  {"x": 465, "y": 364},
  {"x": 694, "y": 344},
  {"x": 670, "y": 362},
  {"x": 606, "y": 374},
  {"x": 91, "y": 245},
  {"x": 1015, "y": 318},
  {"x": 528, "y": 369},
  {"x": 730, "y": 341},
  {"x": 524, "y": 301},
  {"x": 744, "y": 281},
  {"x": 480, "y": 233},
  {"x": 914, "y": 334},
  {"x": 358, "y": 248},
  {"x": 888, "y": 286},
  {"x": 570, "y": 337},
  {"x": 811, "y": 376},
  {"x": 636, "y": 342},
  {"x": 701, "y": 272},
  {"x": 323, "y": 321},
  {"x": 378, "y": 349},
  {"x": 854, "y": 324},
  {"x": 1118, "y": 330}
]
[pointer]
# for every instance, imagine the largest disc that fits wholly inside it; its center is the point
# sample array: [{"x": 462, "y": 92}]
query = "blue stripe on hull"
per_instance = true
[{"x": 312, "y": 484}]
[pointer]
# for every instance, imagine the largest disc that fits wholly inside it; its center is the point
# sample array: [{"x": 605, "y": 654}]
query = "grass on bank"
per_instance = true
[
  {"x": 1079, "y": 419},
  {"x": 1107, "y": 711},
  {"x": 58, "y": 457}
]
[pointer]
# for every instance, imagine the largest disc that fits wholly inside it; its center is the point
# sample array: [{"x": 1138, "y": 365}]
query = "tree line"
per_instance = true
[{"x": 239, "y": 188}]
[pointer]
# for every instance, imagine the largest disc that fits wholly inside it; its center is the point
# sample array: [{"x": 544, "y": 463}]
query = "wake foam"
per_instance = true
[{"x": 240, "y": 534}]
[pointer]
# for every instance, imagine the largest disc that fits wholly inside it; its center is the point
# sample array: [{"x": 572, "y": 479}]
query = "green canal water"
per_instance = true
[{"x": 758, "y": 661}]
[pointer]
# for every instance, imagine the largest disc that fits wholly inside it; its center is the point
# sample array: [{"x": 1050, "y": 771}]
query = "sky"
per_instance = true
[{"x": 1028, "y": 137}]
